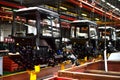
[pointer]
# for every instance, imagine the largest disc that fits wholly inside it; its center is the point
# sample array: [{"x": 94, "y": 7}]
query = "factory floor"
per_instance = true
[{"x": 44, "y": 73}]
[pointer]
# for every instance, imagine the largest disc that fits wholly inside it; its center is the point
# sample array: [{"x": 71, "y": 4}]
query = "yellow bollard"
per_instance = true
[
  {"x": 100, "y": 56},
  {"x": 85, "y": 58},
  {"x": 81, "y": 61},
  {"x": 33, "y": 74},
  {"x": 62, "y": 66},
  {"x": 37, "y": 68}
]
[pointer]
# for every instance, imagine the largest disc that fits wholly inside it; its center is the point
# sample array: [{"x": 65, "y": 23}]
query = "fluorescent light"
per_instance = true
[
  {"x": 64, "y": 8},
  {"x": 112, "y": 6},
  {"x": 117, "y": 9},
  {"x": 103, "y": 0},
  {"x": 83, "y": 14},
  {"x": 108, "y": 4},
  {"x": 97, "y": 19}
]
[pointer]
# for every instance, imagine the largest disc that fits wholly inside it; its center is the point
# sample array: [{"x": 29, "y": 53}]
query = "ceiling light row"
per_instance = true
[{"x": 112, "y": 6}]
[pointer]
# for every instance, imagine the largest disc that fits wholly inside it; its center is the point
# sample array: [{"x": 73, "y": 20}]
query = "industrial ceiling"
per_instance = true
[{"x": 84, "y": 9}]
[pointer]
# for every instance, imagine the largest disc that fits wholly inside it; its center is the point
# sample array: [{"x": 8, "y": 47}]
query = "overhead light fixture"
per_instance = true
[
  {"x": 103, "y": 0},
  {"x": 108, "y": 4},
  {"x": 83, "y": 14},
  {"x": 64, "y": 8},
  {"x": 112, "y": 6},
  {"x": 97, "y": 19},
  {"x": 117, "y": 9}
]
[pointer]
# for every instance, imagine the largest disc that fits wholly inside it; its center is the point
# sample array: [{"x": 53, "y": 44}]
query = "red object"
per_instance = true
[
  {"x": 67, "y": 18},
  {"x": 9, "y": 65},
  {"x": 9, "y": 4},
  {"x": 8, "y": 40},
  {"x": 65, "y": 24}
]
